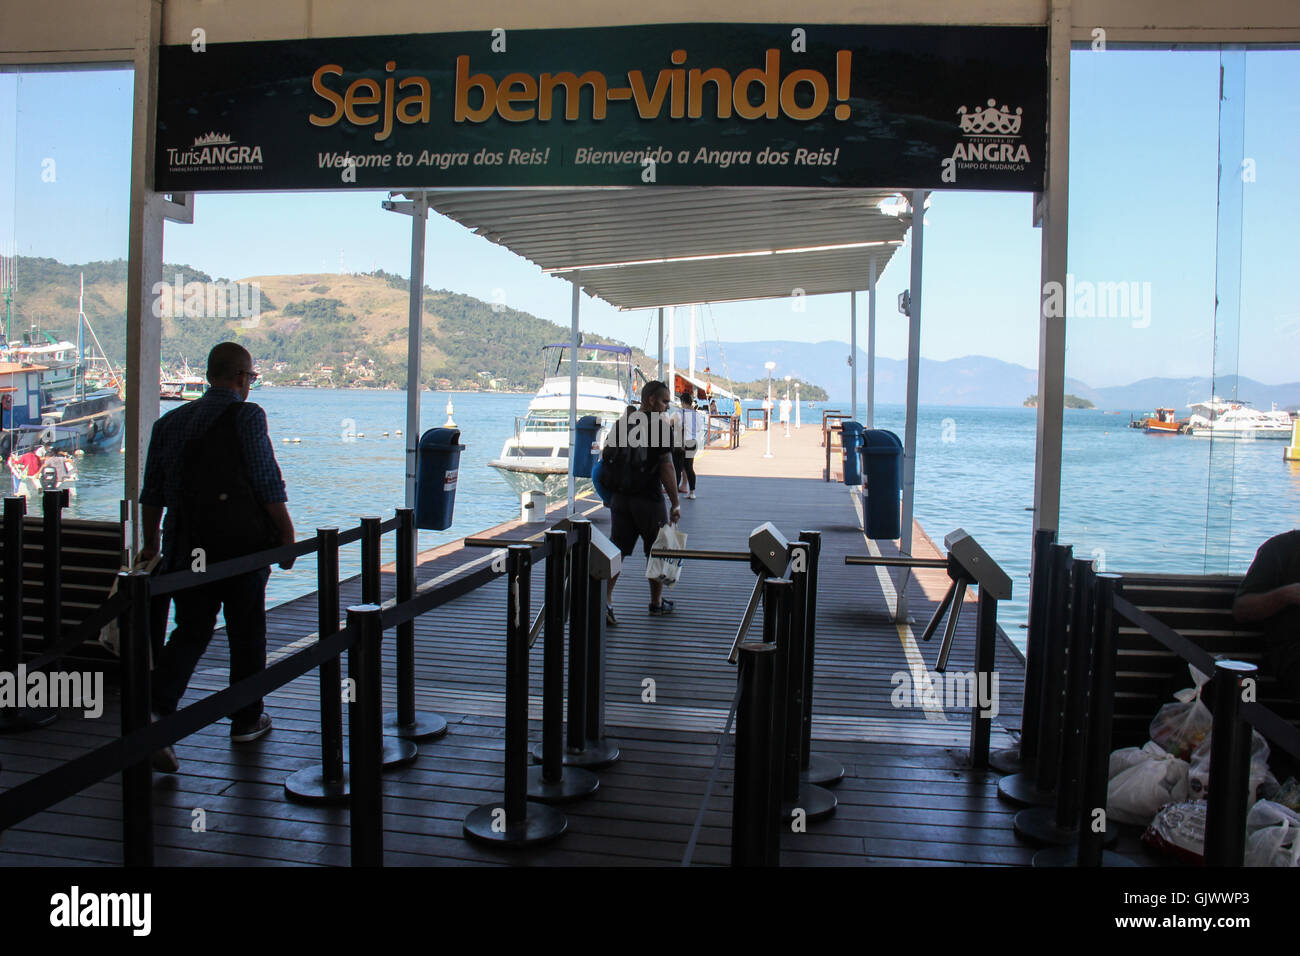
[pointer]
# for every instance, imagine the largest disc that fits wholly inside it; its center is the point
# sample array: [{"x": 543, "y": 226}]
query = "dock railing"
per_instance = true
[{"x": 131, "y": 753}]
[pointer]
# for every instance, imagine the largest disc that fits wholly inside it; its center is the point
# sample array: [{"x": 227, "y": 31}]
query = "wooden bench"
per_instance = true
[{"x": 1199, "y": 607}]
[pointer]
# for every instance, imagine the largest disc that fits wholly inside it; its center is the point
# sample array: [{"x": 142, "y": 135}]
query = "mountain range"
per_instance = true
[{"x": 973, "y": 379}]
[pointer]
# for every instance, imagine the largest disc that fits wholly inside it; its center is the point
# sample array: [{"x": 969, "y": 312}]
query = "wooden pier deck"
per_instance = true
[{"x": 906, "y": 799}]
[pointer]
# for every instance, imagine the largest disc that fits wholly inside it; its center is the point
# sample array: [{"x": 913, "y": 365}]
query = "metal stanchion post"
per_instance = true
[
  {"x": 549, "y": 782},
  {"x": 406, "y": 721},
  {"x": 515, "y": 821},
  {"x": 328, "y": 781},
  {"x": 754, "y": 836},
  {"x": 1021, "y": 759},
  {"x": 365, "y": 715},
  {"x": 16, "y": 719},
  {"x": 981, "y": 716},
  {"x": 1229, "y": 794},
  {"x": 137, "y": 779},
  {"x": 1093, "y": 822},
  {"x": 1038, "y": 788},
  {"x": 814, "y": 768},
  {"x": 815, "y": 802},
  {"x": 398, "y": 751},
  {"x": 596, "y": 742},
  {"x": 52, "y": 505}
]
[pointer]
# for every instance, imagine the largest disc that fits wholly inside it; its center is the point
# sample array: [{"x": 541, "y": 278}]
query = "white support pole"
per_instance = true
[
  {"x": 672, "y": 346},
  {"x": 573, "y": 394},
  {"x": 913, "y": 389},
  {"x": 1051, "y": 330},
  {"x": 691, "y": 363},
  {"x": 871, "y": 345},
  {"x": 659, "y": 374},
  {"x": 414, "y": 337},
  {"x": 144, "y": 263},
  {"x": 853, "y": 355}
]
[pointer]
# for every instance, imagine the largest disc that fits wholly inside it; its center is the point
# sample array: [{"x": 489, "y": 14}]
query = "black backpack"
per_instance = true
[
  {"x": 624, "y": 469},
  {"x": 220, "y": 513}
]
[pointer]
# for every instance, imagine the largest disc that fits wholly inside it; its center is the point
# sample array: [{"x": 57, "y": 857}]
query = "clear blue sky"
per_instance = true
[{"x": 1143, "y": 146}]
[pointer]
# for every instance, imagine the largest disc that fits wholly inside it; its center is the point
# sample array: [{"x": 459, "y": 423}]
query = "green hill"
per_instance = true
[{"x": 347, "y": 329}]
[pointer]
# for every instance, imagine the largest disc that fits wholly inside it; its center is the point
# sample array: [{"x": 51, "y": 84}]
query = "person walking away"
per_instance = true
[
  {"x": 691, "y": 441},
  {"x": 212, "y": 468},
  {"x": 638, "y": 463}
]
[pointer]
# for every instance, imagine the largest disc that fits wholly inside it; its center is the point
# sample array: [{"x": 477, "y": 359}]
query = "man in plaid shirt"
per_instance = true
[{"x": 242, "y": 598}]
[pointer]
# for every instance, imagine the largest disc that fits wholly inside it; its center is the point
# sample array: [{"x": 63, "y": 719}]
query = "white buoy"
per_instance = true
[
  {"x": 385, "y": 434},
  {"x": 449, "y": 423},
  {"x": 398, "y": 432},
  {"x": 361, "y": 434}
]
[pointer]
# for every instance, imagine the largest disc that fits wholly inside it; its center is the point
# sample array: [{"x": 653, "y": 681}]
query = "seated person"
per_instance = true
[{"x": 1270, "y": 595}]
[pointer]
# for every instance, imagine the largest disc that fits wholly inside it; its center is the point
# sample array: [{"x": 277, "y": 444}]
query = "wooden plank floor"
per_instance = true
[{"x": 906, "y": 799}]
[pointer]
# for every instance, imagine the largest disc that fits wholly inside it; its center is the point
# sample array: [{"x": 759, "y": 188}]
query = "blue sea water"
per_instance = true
[{"x": 1131, "y": 501}]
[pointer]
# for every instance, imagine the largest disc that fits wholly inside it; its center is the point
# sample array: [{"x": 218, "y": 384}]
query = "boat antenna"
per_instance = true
[{"x": 8, "y": 273}]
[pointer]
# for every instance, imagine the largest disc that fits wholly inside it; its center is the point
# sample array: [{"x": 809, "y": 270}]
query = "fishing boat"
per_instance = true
[
  {"x": 1163, "y": 422},
  {"x": 55, "y": 472},
  {"x": 536, "y": 457},
  {"x": 1219, "y": 418},
  {"x": 184, "y": 387}
]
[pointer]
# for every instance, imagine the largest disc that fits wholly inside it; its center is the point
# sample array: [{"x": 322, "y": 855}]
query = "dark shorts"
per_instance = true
[{"x": 634, "y": 518}]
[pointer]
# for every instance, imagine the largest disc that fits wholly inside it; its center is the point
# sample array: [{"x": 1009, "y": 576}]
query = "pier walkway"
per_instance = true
[{"x": 906, "y": 798}]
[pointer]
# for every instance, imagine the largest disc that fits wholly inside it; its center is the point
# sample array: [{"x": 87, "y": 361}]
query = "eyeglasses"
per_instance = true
[{"x": 252, "y": 376}]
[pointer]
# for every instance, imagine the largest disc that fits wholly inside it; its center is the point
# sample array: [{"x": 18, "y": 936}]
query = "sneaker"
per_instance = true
[
  {"x": 691, "y": 496},
  {"x": 246, "y": 733},
  {"x": 164, "y": 760},
  {"x": 610, "y": 619},
  {"x": 660, "y": 609}
]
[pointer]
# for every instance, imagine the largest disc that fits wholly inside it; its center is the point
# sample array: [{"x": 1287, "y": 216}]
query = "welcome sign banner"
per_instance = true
[{"x": 683, "y": 104}]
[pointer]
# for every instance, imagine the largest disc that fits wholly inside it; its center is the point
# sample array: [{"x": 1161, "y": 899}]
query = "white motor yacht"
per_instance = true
[{"x": 1218, "y": 418}]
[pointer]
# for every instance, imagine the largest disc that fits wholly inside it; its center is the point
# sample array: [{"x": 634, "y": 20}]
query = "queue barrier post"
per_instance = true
[
  {"x": 814, "y": 768},
  {"x": 52, "y": 505},
  {"x": 1229, "y": 794},
  {"x": 365, "y": 731},
  {"x": 398, "y": 751},
  {"x": 548, "y": 781},
  {"x": 755, "y": 835},
  {"x": 328, "y": 781},
  {"x": 516, "y": 821},
  {"x": 137, "y": 779},
  {"x": 407, "y": 722},
  {"x": 15, "y": 719},
  {"x": 797, "y": 795},
  {"x": 1037, "y": 786}
]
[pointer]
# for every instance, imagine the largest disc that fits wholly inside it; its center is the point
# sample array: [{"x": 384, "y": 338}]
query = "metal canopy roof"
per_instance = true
[{"x": 645, "y": 246}]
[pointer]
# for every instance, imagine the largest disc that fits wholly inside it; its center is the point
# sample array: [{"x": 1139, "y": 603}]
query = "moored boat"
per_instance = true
[
  {"x": 1163, "y": 422},
  {"x": 1218, "y": 418}
]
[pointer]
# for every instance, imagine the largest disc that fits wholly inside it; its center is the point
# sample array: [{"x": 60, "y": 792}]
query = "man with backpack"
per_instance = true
[
  {"x": 637, "y": 466},
  {"x": 211, "y": 465}
]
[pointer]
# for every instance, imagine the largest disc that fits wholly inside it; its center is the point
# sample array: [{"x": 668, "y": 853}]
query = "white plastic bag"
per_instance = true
[
  {"x": 1198, "y": 777},
  {"x": 109, "y": 637},
  {"x": 667, "y": 570},
  {"x": 1142, "y": 782},
  {"x": 1272, "y": 835},
  {"x": 1180, "y": 727}
]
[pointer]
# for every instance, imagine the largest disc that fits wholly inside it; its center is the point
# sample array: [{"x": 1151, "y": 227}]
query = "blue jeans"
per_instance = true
[{"x": 242, "y": 601}]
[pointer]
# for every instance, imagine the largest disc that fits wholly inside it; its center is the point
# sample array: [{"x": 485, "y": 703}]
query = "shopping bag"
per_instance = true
[
  {"x": 109, "y": 637},
  {"x": 1261, "y": 778},
  {"x": 1180, "y": 727},
  {"x": 1142, "y": 781},
  {"x": 1272, "y": 835},
  {"x": 1179, "y": 831},
  {"x": 667, "y": 570}
]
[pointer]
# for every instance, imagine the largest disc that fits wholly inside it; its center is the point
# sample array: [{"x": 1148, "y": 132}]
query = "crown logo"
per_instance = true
[
  {"x": 211, "y": 139},
  {"x": 991, "y": 120}
]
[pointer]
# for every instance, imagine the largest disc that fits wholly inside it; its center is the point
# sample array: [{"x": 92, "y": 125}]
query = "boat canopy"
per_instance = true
[
  {"x": 701, "y": 388},
  {"x": 597, "y": 346}
]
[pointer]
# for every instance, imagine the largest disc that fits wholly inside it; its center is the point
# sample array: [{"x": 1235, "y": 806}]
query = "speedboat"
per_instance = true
[
  {"x": 1218, "y": 418},
  {"x": 536, "y": 457}
]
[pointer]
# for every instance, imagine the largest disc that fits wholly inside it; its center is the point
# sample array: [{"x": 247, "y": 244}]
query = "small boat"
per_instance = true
[
  {"x": 185, "y": 387},
  {"x": 57, "y": 472},
  {"x": 536, "y": 457},
  {"x": 1163, "y": 422},
  {"x": 1218, "y": 418}
]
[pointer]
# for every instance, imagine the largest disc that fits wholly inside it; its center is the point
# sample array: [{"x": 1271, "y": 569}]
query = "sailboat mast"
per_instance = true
[
  {"x": 81, "y": 339},
  {"x": 692, "y": 362},
  {"x": 672, "y": 345}
]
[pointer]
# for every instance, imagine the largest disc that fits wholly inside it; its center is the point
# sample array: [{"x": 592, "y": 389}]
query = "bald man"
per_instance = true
[{"x": 212, "y": 468}]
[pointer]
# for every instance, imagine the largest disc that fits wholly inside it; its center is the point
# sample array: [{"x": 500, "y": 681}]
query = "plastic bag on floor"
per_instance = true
[
  {"x": 1180, "y": 727},
  {"x": 1179, "y": 830},
  {"x": 1262, "y": 780},
  {"x": 1142, "y": 781},
  {"x": 1272, "y": 835},
  {"x": 667, "y": 570},
  {"x": 109, "y": 636}
]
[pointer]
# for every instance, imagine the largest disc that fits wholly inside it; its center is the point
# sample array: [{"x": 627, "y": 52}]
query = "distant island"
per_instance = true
[{"x": 1071, "y": 401}]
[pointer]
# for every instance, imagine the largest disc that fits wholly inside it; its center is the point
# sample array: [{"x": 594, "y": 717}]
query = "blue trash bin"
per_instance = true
[
  {"x": 585, "y": 449},
  {"x": 882, "y": 464},
  {"x": 851, "y": 440},
  {"x": 437, "y": 463}
]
